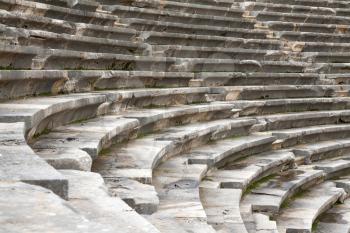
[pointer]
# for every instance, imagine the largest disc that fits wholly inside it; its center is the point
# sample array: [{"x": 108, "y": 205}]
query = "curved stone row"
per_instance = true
[{"x": 174, "y": 116}]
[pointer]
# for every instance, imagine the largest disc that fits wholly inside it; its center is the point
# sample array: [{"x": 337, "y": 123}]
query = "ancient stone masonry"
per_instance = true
[{"x": 174, "y": 116}]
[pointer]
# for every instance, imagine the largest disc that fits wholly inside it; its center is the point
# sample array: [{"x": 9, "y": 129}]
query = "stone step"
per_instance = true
[
  {"x": 270, "y": 195},
  {"x": 316, "y": 37},
  {"x": 43, "y": 210},
  {"x": 335, "y": 220},
  {"x": 85, "y": 5},
  {"x": 307, "y": 28},
  {"x": 334, "y": 167},
  {"x": 177, "y": 179},
  {"x": 302, "y": 18},
  {"x": 233, "y": 179},
  {"x": 291, "y": 137},
  {"x": 225, "y": 41},
  {"x": 264, "y": 79},
  {"x": 119, "y": 32},
  {"x": 273, "y": 106},
  {"x": 44, "y": 39},
  {"x": 301, "y": 119},
  {"x": 89, "y": 197},
  {"x": 177, "y": 17},
  {"x": 222, "y": 209},
  {"x": 43, "y": 113},
  {"x": 281, "y": 91},
  {"x": 22, "y": 83},
  {"x": 20, "y": 163},
  {"x": 74, "y": 146},
  {"x": 312, "y": 3},
  {"x": 189, "y": 8},
  {"x": 242, "y": 173},
  {"x": 171, "y": 27},
  {"x": 27, "y": 57},
  {"x": 37, "y": 22},
  {"x": 301, "y": 213},
  {"x": 224, "y": 53},
  {"x": 56, "y": 12},
  {"x": 286, "y": 8},
  {"x": 131, "y": 162},
  {"x": 307, "y": 153},
  {"x": 221, "y": 3}
]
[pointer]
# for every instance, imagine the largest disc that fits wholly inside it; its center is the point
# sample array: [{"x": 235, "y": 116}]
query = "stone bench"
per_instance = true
[
  {"x": 85, "y": 5},
  {"x": 177, "y": 17},
  {"x": 311, "y": 204},
  {"x": 258, "y": 78},
  {"x": 313, "y": 3},
  {"x": 291, "y": 137},
  {"x": 131, "y": 162},
  {"x": 44, "y": 39},
  {"x": 21, "y": 83},
  {"x": 270, "y": 196},
  {"x": 88, "y": 195},
  {"x": 74, "y": 146},
  {"x": 301, "y": 119},
  {"x": 20, "y": 163},
  {"x": 273, "y": 106},
  {"x": 56, "y": 12},
  {"x": 308, "y": 153},
  {"x": 282, "y": 91},
  {"x": 334, "y": 167}
]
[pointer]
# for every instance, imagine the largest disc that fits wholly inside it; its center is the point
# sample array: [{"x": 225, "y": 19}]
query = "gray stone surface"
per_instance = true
[
  {"x": 303, "y": 211},
  {"x": 89, "y": 197},
  {"x": 20, "y": 163},
  {"x": 29, "y": 208}
]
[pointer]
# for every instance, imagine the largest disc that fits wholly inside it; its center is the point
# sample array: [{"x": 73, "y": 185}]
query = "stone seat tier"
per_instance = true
[
  {"x": 170, "y": 27},
  {"x": 178, "y": 178},
  {"x": 316, "y": 37},
  {"x": 273, "y": 106},
  {"x": 74, "y": 146},
  {"x": 21, "y": 83},
  {"x": 53, "y": 40},
  {"x": 76, "y": 16},
  {"x": 258, "y": 78},
  {"x": 88, "y": 196},
  {"x": 282, "y": 91},
  {"x": 234, "y": 181},
  {"x": 301, "y": 213},
  {"x": 178, "y": 17},
  {"x": 287, "y": 8},
  {"x": 20, "y": 163},
  {"x": 339, "y": 216},
  {"x": 137, "y": 159},
  {"x": 43, "y": 211},
  {"x": 302, "y": 18},
  {"x": 57, "y": 12},
  {"x": 48, "y": 112},
  {"x": 221, "y": 3},
  {"x": 191, "y": 8},
  {"x": 301, "y": 119},
  {"x": 334, "y": 167},
  {"x": 29, "y": 57},
  {"x": 269, "y": 196},
  {"x": 312, "y": 3},
  {"x": 307, "y": 153},
  {"x": 337, "y": 29},
  {"x": 86, "y": 5},
  {"x": 291, "y": 137},
  {"x": 120, "y": 32}
]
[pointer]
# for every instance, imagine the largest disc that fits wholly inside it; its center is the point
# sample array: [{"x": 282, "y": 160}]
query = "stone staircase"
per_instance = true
[{"x": 177, "y": 116}]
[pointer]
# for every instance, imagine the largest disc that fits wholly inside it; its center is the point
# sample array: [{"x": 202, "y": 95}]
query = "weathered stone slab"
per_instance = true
[{"x": 19, "y": 163}]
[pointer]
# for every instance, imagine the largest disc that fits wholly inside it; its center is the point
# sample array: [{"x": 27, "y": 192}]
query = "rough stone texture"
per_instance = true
[
  {"x": 301, "y": 213},
  {"x": 20, "y": 163}
]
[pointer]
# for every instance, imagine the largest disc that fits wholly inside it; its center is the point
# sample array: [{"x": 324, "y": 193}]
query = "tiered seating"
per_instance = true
[{"x": 174, "y": 116}]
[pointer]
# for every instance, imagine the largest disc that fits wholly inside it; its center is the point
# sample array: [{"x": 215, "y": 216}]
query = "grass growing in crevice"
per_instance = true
[{"x": 257, "y": 183}]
